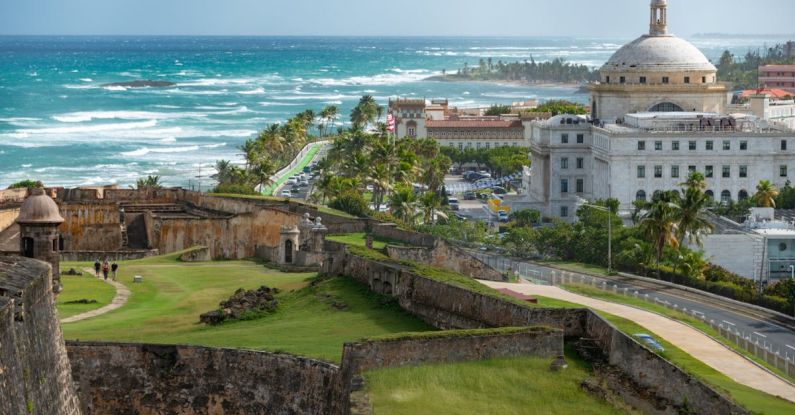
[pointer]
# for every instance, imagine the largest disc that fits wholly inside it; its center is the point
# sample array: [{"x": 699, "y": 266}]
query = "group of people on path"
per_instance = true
[{"x": 106, "y": 267}]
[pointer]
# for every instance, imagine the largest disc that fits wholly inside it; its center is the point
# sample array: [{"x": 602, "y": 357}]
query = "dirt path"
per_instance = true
[
  {"x": 692, "y": 341},
  {"x": 122, "y": 294}
]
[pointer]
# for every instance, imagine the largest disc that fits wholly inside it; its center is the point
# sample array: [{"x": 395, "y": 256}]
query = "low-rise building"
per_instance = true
[{"x": 777, "y": 76}]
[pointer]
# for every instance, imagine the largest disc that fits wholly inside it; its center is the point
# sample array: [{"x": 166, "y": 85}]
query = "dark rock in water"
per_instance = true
[
  {"x": 243, "y": 305},
  {"x": 142, "y": 84}
]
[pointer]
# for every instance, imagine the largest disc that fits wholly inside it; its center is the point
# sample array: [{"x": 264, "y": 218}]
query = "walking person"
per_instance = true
[
  {"x": 97, "y": 266},
  {"x": 105, "y": 269},
  {"x": 113, "y": 268}
]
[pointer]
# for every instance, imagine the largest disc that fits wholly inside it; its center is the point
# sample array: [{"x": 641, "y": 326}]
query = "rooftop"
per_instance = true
[{"x": 475, "y": 122}]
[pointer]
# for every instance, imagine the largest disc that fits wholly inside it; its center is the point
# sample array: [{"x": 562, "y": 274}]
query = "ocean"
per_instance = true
[{"x": 59, "y": 125}]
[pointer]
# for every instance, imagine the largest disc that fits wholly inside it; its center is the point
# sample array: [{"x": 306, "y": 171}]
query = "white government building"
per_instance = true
[{"x": 658, "y": 113}]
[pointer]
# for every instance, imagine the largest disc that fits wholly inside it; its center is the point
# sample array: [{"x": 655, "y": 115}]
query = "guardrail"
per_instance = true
[{"x": 782, "y": 358}]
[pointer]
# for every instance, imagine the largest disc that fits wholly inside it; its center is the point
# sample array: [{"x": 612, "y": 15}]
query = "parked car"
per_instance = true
[
  {"x": 650, "y": 341},
  {"x": 453, "y": 203},
  {"x": 303, "y": 182},
  {"x": 502, "y": 216},
  {"x": 484, "y": 174},
  {"x": 286, "y": 193},
  {"x": 498, "y": 190},
  {"x": 307, "y": 169},
  {"x": 292, "y": 180},
  {"x": 470, "y": 196}
]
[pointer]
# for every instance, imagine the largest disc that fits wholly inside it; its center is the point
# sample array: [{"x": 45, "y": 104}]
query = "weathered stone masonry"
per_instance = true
[{"x": 34, "y": 371}]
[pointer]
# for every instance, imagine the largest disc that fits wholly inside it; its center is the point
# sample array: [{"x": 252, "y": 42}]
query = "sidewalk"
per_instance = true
[
  {"x": 122, "y": 294},
  {"x": 690, "y": 340}
]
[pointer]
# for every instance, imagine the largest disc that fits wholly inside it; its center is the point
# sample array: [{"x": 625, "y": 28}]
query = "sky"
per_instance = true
[{"x": 609, "y": 18}]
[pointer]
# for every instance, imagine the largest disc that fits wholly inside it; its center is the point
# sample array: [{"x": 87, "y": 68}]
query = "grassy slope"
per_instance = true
[
  {"x": 358, "y": 239},
  {"x": 86, "y": 287},
  {"x": 499, "y": 386},
  {"x": 166, "y": 309},
  {"x": 675, "y": 315}
]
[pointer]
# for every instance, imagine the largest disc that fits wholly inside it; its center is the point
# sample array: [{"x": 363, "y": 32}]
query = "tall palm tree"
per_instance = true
[
  {"x": 223, "y": 170},
  {"x": 766, "y": 194},
  {"x": 262, "y": 172},
  {"x": 329, "y": 114},
  {"x": 431, "y": 205},
  {"x": 691, "y": 215},
  {"x": 403, "y": 205},
  {"x": 660, "y": 227}
]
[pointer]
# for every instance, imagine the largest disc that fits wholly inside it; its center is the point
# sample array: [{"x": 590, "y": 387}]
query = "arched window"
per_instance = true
[
  {"x": 725, "y": 196},
  {"x": 742, "y": 196},
  {"x": 666, "y": 107},
  {"x": 640, "y": 196},
  {"x": 710, "y": 194}
]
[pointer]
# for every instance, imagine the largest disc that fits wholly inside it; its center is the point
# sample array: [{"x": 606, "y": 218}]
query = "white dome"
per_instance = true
[{"x": 658, "y": 53}]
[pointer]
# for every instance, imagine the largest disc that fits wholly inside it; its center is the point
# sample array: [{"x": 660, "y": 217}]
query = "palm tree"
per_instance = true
[
  {"x": 431, "y": 204},
  {"x": 660, "y": 227},
  {"x": 223, "y": 170},
  {"x": 262, "y": 172},
  {"x": 329, "y": 114},
  {"x": 766, "y": 194},
  {"x": 691, "y": 215},
  {"x": 150, "y": 182},
  {"x": 366, "y": 112},
  {"x": 403, "y": 205}
]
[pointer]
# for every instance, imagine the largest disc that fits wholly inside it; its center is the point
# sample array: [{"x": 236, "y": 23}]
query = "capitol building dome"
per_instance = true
[
  {"x": 657, "y": 72},
  {"x": 659, "y": 53}
]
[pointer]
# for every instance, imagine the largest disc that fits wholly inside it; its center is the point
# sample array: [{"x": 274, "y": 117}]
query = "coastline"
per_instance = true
[{"x": 541, "y": 84}]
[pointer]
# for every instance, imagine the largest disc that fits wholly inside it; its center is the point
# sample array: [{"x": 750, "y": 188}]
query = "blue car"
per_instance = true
[{"x": 649, "y": 341}]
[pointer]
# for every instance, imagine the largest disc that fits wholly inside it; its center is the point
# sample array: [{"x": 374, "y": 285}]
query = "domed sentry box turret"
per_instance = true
[{"x": 38, "y": 221}]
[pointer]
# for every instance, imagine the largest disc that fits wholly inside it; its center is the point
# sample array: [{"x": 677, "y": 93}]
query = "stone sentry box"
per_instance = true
[{"x": 38, "y": 226}]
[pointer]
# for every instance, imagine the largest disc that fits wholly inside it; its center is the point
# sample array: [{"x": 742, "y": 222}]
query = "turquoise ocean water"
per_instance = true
[{"x": 57, "y": 123}]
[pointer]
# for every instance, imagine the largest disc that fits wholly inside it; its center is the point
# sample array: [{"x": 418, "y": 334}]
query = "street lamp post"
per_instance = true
[{"x": 583, "y": 202}]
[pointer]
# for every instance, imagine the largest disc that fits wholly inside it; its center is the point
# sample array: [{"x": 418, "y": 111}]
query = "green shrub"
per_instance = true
[
  {"x": 27, "y": 184},
  {"x": 235, "y": 189},
  {"x": 352, "y": 203}
]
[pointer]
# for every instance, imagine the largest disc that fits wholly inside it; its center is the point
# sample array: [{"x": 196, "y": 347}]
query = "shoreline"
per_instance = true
[{"x": 543, "y": 84}]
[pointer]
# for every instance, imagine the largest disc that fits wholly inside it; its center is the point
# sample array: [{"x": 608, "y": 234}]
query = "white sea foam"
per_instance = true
[
  {"x": 86, "y": 116},
  {"x": 257, "y": 91},
  {"x": 71, "y": 86},
  {"x": 169, "y": 140},
  {"x": 146, "y": 150},
  {"x": 397, "y": 76},
  {"x": 90, "y": 128},
  {"x": 115, "y": 88},
  {"x": 86, "y": 80}
]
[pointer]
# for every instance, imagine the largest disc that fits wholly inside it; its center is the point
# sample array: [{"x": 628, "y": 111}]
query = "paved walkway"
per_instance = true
[
  {"x": 122, "y": 294},
  {"x": 690, "y": 340}
]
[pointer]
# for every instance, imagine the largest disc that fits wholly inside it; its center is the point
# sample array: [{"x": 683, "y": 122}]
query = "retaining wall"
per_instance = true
[
  {"x": 148, "y": 380},
  {"x": 34, "y": 371},
  {"x": 450, "y": 347},
  {"x": 391, "y": 231},
  {"x": 122, "y": 255},
  {"x": 8, "y": 216},
  {"x": 445, "y": 256}
]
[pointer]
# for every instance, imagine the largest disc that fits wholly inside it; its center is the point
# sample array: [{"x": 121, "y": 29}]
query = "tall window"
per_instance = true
[
  {"x": 687, "y": 79},
  {"x": 710, "y": 145},
  {"x": 641, "y": 145},
  {"x": 675, "y": 146},
  {"x": 691, "y": 169},
  {"x": 726, "y": 172},
  {"x": 743, "y": 145},
  {"x": 580, "y": 163},
  {"x": 727, "y": 145},
  {"x": 580, "y": 138},
  {"x": 665, "y": 79},
  {"x": 643, "y": 79},
  {"x": 641, "y": 172},
  {"x": 783, "y": 145},
  {"x": 580, "y": 185},
  {"x": 564, "y": 163},
  {"x": 675, "y": 172},
  {"x": 658, "y": 145},
  {"x": 564, "y": 211},
  {"x": 726, "y": 196},
  {"x": 658, "y": 172},
  {"x": 623, "y": 79},
  {"x": 564, "y": 138},
  {"x": 743, "y": 172},
  {"x": 564, "y": 185},
  {"x": 782, "y": 171},
  {"x": 691, "y": 145},
  {"x": 640, "y": 196},
  {"x": 709, "y": 172}
]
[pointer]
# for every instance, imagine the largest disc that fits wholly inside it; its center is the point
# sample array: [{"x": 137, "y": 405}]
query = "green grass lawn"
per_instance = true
[
  {"x": 499, "y": 386},
  {"x": 85, "y": 287},
  {"x": 358, "y": 239},
  {"x": 589, "y": 291},
  {"x": 166, "y": 309}
]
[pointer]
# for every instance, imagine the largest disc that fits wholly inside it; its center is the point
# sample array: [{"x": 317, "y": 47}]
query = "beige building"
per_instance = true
[{"x": 460, "y": 127}]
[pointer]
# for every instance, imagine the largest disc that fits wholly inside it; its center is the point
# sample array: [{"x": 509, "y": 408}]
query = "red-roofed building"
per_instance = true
[
  {"x": 449, "y": 127},
  {"x": 773, "y": 93},
  {"x": 777, "y": 76}
]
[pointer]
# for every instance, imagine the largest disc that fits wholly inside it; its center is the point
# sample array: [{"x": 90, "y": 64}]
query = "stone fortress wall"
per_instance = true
[
  {"x": 35, "y": 375},
  {"x": 447, "y": 306}
]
